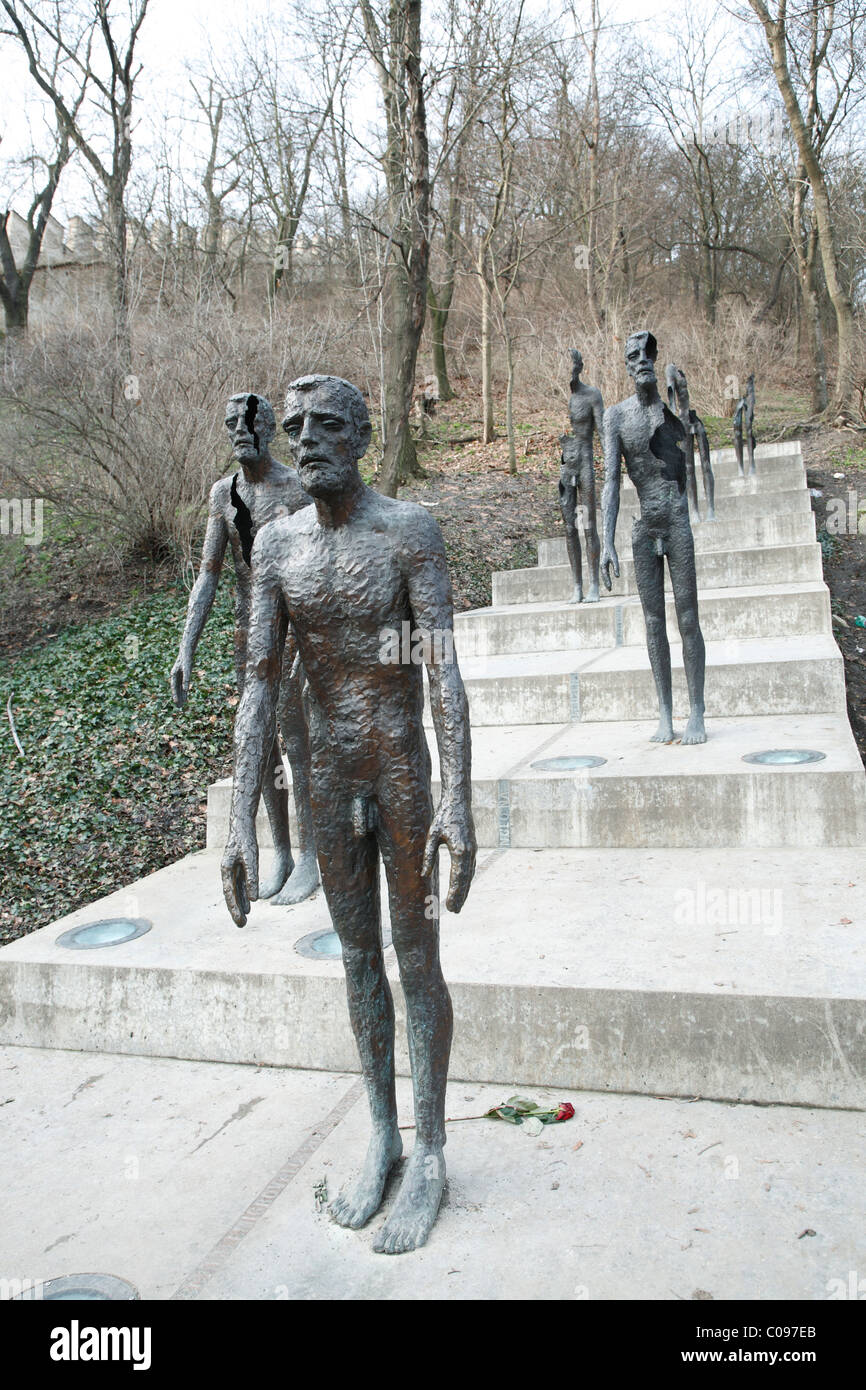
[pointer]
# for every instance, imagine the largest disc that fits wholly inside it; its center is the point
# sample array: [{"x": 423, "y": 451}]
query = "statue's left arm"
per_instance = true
[{"x": 433, "y": 614}]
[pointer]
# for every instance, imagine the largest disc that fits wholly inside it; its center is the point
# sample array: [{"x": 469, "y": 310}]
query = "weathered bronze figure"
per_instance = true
[
  {"x": 745, "y": 414},
  {"x": 577, "y": 479},
  {"x": 346, "y": 574},
  {"x": 260, "y": 491},
  {"x": 678, "y": 400},
  {"x": 651, "y": 439}
]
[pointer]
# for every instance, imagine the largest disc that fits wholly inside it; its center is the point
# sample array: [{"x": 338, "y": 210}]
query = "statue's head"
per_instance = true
[
  {"x": 576, "y": 362},
  {"x": 641, "y": 350},
  {"x": 252, "y": 424},
  {"x": 329, "y": 429}
]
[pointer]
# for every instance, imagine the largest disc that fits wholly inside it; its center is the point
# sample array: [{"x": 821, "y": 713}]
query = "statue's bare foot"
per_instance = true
[
  {"x": 695, "y": 731},
  {"x": 711, "y": 516},
  {"x": 417, "y": 1204},
  {"x": 301, "y": 883},
  {"x": 592, "y": 596},
  {"x": 356, "y": 1204},
  {"x": 273, "y": 882},
  {"x": 664, "y": 733},
  {"x": 577, "y": 596}
]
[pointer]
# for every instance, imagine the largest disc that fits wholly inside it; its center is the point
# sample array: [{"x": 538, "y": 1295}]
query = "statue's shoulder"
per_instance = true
[
  {"x": 410, "y": 523},
  {"x": 220, "y": 494}
]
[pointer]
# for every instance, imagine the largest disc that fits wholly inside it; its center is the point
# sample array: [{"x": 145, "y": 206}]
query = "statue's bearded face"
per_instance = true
[
  {"x": 640, "y": 358},
  {"x": 251, "y": 426},
  {"x": 325, "y": 438}
]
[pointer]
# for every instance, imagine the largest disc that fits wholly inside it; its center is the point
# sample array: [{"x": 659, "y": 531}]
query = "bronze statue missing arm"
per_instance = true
[
  {"x": 678, "y": 400},
  {"x": 744, "y": 414},
  {"x": 644, "y": 432},
  {"x": 260, "y": 491},
  {"x": 346, "y": 574}
]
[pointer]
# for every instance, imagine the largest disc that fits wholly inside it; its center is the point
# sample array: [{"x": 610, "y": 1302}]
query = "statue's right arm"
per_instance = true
[
  {"x": 201, "y": 598},
  {"x": 610, "y": 493},
  {"x": 254, "y": 728}
]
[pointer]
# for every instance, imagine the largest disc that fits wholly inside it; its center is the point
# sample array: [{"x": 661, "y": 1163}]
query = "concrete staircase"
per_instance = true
[{"x": 670, "y": 920}]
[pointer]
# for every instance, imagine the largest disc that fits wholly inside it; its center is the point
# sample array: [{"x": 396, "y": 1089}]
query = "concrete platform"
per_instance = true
[
  {"x": 735, "y": 501},
  {"x": 716, "y": 569},
  {"x": 775, "y": 610},
  {"x": 739, "y": 974},
  {"x": 781, "y": 675},
  {"x": 649, "y": 795},
  {"x": 788, "y": 528},
  {"x": 196, "y": 1181}
]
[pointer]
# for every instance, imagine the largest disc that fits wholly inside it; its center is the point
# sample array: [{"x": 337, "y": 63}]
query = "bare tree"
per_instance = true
[
  {"x": 394, "y": 43},
  {"x": 816, "y": 55},
  {"x": 16, "y": 279},
  {"x": 112, "y": 82}
]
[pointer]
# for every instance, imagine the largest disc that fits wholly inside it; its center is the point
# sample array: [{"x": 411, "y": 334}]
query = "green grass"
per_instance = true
[{"x": 113, "y": 776}]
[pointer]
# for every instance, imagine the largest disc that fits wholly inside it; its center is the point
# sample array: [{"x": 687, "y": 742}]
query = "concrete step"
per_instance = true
[
  {"x": 650, "y": 795},
  {"x": 777, "y": 610},
  {"x": 787, "y": 528},
  {"x": 716, "y": 569},
  {"x": 735, "y": 974},
  {"x": 731, "y": 506},
  {"x": 781, "y": 675}
]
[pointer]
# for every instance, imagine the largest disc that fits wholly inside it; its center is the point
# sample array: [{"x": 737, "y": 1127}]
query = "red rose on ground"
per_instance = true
[{"x": 565, "y": 1112}]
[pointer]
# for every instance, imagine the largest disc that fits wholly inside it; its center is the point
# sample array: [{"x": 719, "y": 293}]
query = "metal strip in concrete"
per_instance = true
[{"x": 260, "y": 1205}]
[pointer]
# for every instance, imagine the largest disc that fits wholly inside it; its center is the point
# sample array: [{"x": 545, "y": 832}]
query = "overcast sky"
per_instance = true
[{"x": 174, "y": 32}]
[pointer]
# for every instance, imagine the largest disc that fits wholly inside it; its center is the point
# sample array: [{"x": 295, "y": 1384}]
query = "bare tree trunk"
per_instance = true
[
  {"x": 487, "y": 430},
  {"x": 805, "y": 247},
  {"x": 397, "y": 56},
  {"x": 777, "y": 39},
  {"x": 509, "y": 396},
  {"x": 439, "y": 310}
]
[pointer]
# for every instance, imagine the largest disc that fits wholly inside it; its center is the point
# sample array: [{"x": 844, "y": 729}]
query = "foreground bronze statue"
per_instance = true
[
  {"x": 678, "y": 400},
  {"x": 744, "y": 414},
  {"x": 577, "y": 479},
  {"x": 239, "y": 506},
  {"x": 346, "y": 574},
  {"x": 646, "y": 433}
]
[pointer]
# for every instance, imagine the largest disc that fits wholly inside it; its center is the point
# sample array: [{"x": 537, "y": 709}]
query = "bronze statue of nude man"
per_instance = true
[
  {"x": 345, "y": 574},
  {"x": 647, "y": 434},
  {"x": 262, "y": 490},
  {"x": 577, "y": 479}
]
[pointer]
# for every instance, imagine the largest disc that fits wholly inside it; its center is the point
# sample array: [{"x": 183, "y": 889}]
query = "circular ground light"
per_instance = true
[
  {"x": 325, "y": 945},
  {"x": 784, "y": 757},
  {"x": 111, "y": 931},
  {"x": 569, "y": 764},
  {"x": 104, "y": 1288}
]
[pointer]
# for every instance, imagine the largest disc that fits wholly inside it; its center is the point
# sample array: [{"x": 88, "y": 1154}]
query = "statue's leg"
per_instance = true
[
  {"x": 738, "y": 441},
  {"x": 350, "y": 878},
  {"x": 304, "y": 877},
  {"x": 275, "y": 795},
  {"x": 274, "y": 791},
  {"x": 706, "y": 470},
  {"x": 691, "y": 478},
  {"x": 593, "y": 547},
  {"x": 650, "y": 576},
  {"x": 681, "y": 560},
  {"x": 405, "y": 813},
  {"x": 751, "y": 441},
  {"x": 567, "y": 501}
]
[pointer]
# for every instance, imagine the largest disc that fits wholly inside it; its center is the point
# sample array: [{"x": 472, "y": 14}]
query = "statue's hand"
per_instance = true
[
  {"x": 453, "y": 826},
  {"x": 240, "y": 872},
  {"x": 609, "y": 557},
  {"x": 181, "y": 674}
]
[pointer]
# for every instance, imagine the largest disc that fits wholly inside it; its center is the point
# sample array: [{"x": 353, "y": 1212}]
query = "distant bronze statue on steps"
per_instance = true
[
  {"x": 577, "y": 479},
  {"x": 745, "y": 413},
  {"x": 651, "y": 439},
  {"x": 678, "y": 400}
]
